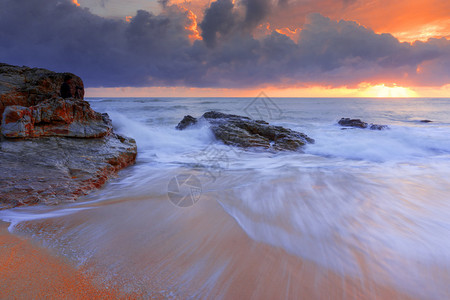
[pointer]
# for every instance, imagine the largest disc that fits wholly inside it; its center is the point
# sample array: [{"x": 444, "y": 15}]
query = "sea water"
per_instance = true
[{"x": 193, "y": 214}]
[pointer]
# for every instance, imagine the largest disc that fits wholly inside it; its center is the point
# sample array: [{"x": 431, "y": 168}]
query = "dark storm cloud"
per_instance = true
[
  {"x": 256, "y": 11},
  {"x": 155, "y": 50},
  {"x": 220, "y": 19}
]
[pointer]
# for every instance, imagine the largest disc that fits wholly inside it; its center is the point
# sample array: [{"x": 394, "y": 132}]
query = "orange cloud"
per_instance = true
[
  {"x": 76, "y": 2},
  {"x": 128, "y": 18},
  {"x": 294, "y": 35},
  {"x": 407, "y": 20},
  {"x": 192, "y": 26}
]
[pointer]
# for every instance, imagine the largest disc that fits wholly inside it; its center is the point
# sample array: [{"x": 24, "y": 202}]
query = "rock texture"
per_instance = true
[
  {"x": 26, "y": 86},
  {"x": 55, "y": 117},
  {"x": 247, "y": 133},
  {"x": 347, "y": 122},
  {"x": 53, "y": 150},
  {"x": 55, "y": 170},
  {"x": 186, "y": 122}
]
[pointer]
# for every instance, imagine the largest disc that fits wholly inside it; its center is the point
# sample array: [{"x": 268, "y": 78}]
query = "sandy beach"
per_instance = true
[
  {"x": 28, "y": 271},
  {"x": 245, "y": 269}
]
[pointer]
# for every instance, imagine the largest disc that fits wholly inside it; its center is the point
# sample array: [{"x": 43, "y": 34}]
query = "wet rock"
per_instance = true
[
  {"x": 352, "y": 123},
  {"x": 26, "y": 86},
  {"x": 378, "y": 127},
  {"x": 55, "y": 117},
  {"x": 426, "y": 121},
  {"x": 244, "y": 132},
  {"x": 357, "y": 123},
  {"x": 186, "y": 122},
  {"x": 57, "y": 170}
]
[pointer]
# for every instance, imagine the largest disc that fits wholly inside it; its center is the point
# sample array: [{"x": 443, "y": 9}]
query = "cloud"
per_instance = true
[
  {"x": 256, "y": 11},
  {"x": 158, "y": 50},
  {"x": 220, "y": 19}
]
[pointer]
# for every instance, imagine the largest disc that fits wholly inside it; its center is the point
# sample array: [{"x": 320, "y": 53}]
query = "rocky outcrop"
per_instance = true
[
  {"x": 247, "y": 133},
  {"x": 186, "y": 122},
  {"x": 55, "y": 117},
  {"x": 56, "y": 170},
  {"x": 27, "y": 87},
  {"x": 347, "y": 122},
  {"x": 53, "y": 150}
]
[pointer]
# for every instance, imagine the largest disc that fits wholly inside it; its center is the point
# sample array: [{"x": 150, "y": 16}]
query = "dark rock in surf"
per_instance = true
[
  {"x": 357, "y": 123},
  {"x": 352, "y": 123},
  {"x": 426, "y": 121},
  {"x": 244, "y": 132},
  {"x": 378, "y": 127},
  {"x": 186, "y": 122}
]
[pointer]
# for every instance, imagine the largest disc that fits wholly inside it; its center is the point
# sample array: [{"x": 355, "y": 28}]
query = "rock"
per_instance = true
[
  {"x": 347, "y": 122},
  {"x": 244, "y": 132},
  {"x": 56, "y": 170},
  {"x": 378, "y": 127},
  {"x": 352, "y": 123},
  {"x": 55, "y": 117},
  {"x": 186, "y": 122},
  {"x": 426, "y": 121},
  {"x": 53, "y": 150},
  {"x": 26, "y": 86}
]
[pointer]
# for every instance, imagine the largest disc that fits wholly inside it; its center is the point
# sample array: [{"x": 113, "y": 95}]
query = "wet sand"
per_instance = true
[
  {"x": 28, "y": 271},
  {"x": 198, "y": 253}
]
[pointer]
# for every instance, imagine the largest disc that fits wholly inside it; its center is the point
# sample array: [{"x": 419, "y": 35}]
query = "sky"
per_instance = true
[{"x": 287, "y": 48}]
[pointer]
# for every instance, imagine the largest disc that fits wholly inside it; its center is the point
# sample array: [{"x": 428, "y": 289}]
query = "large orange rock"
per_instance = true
[
  {"x": 55, "y": 117},
  {"x": 53, "y": 150},
  {"x": 26, "y": 86}
]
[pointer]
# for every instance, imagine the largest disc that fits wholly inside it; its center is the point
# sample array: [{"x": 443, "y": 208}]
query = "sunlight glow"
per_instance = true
[
  {"x": 292, "y": 34},
  {"x": 423, "y": 33},
  {"x": 76, "y": 2},
  {"x": 193, "y": 27},
  {"x": 363, "y": 90},
  {"x": 383, "y": 91}
]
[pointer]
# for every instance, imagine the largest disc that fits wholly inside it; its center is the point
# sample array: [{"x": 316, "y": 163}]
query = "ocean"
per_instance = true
[{"x": 359, "y": 214}]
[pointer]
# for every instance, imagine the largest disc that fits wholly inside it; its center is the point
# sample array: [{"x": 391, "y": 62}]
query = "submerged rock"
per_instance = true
[
  {"x": 53, "y": 150},
  {"x": 247, "y": 133},
  {"x": 347, "y": 122},
  {"x": 378, "y": 127}
]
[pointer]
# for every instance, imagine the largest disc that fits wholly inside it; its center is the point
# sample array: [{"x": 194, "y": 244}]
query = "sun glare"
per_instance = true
[{"x": 383, "y": 91}]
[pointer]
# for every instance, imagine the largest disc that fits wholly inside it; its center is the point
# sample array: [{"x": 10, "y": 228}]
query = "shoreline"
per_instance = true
[
  {"x": 269, "y": 271},
  {"x": 30, "y": 271}
]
